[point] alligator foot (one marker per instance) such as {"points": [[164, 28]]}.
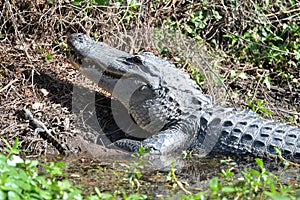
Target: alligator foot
{"points": [[126, 144]]}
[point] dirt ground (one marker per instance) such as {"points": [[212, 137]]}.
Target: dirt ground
{"points": [[36, 74]]}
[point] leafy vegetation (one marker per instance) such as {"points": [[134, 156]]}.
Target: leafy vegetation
{"points": [[136, 166], [254, 184], [21, 179], [258, 106], [270, 39], [258, 35], [30, 179]]}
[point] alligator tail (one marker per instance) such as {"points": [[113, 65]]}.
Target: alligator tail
{"points": [[243, 132]]}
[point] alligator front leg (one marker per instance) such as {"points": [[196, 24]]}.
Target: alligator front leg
{"points": [[176, 138]]}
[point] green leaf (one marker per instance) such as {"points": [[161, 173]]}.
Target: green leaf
{"points": [[2, 195], [137, 196], [13, 195], [97, 191], [214, 184], [49, 56], [23, 184], [297, 55], [272, 188], [64, 185], [133, 3], [16, 144], [55, 42], [228, 189], [251, 105], [259, 162], [77, 2], [31, 163], [276, 196], [6, 143], [276, 38], [266, 111], [189, 29], [138, 174], [105, 195], [101, 2], [254, 172], [216, 15], [60, 164]]}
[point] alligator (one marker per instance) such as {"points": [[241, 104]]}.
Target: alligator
{"points": [[165, 102]]}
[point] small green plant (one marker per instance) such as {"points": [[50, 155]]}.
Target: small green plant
{"points": [[187, 154], [135, 174], [21, 179], [135, 170], [134, 196], [197, 76], [99, 195], [10, 150], [62, 45], [141, 152], [132, 3], [227, 173], [171, 177], [49, 56], [254, 184], [40, 49], [286, 162], [258, 106]]}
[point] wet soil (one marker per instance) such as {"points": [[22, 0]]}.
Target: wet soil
{"points": [[111, 173]]}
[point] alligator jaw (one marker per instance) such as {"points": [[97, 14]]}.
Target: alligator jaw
{"points": [[105, 69]]}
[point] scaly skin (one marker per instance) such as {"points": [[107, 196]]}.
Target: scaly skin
{"points": [[168, 105]]}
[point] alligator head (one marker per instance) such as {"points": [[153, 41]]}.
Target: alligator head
{"points": [[152, 89]]}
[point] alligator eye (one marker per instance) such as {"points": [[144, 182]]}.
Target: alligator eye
{"points": [[135, 59], [144, 87]]}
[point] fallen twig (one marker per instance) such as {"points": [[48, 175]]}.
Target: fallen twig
{"points": [[8, 85], [41, 128], [283, 12]]}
